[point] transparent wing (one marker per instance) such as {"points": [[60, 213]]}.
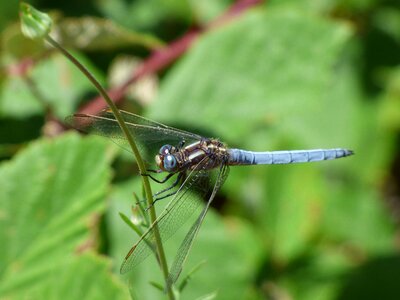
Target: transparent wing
{"points": [[187, 243], [185, 203], [148, 135]]}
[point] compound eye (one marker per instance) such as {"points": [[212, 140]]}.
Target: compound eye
{"points": [[165, 150], [170, 163]]}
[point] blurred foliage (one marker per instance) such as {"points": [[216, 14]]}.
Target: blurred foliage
{"points": [[282, 75]]}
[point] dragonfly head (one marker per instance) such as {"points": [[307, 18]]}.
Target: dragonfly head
{"points": [[165, 159]]}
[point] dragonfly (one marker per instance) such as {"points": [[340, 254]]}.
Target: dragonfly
{"points": [[199, 165]]}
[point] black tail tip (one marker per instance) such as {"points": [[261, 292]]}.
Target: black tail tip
{"points": [[348, 152]]}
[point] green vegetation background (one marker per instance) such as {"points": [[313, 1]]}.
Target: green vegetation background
{"points": [[281, 75]]}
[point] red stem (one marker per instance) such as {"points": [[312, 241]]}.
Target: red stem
{"points": [[157, 61]]}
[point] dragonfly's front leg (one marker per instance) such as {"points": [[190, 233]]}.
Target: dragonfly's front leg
{"points": [[155, 179]]}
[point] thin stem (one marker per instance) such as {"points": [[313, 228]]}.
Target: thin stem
{"points": [[132, 144]]}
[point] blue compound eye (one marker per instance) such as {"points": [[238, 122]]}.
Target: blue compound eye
{"points": [[165, 150], [170, 163]]}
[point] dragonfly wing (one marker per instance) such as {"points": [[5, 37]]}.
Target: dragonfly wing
{"points": [[148, 135], [185, 203], [187, 243]]}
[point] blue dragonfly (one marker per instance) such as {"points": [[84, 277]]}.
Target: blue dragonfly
{"points": [[200, 166]]}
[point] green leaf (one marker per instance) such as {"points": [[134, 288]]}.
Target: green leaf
{"points": [[359, 219], [292, 213], [34, 24], [305, 5], [207, 11], [86, 276], [279, 75], [48, 207]]}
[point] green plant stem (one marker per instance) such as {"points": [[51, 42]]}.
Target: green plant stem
{"points": [[141, 165]]}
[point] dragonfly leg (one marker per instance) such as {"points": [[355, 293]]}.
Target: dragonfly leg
{"points": [[161, 198], [157, 180], [157, 197], [164, 196], [174, 184]]}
